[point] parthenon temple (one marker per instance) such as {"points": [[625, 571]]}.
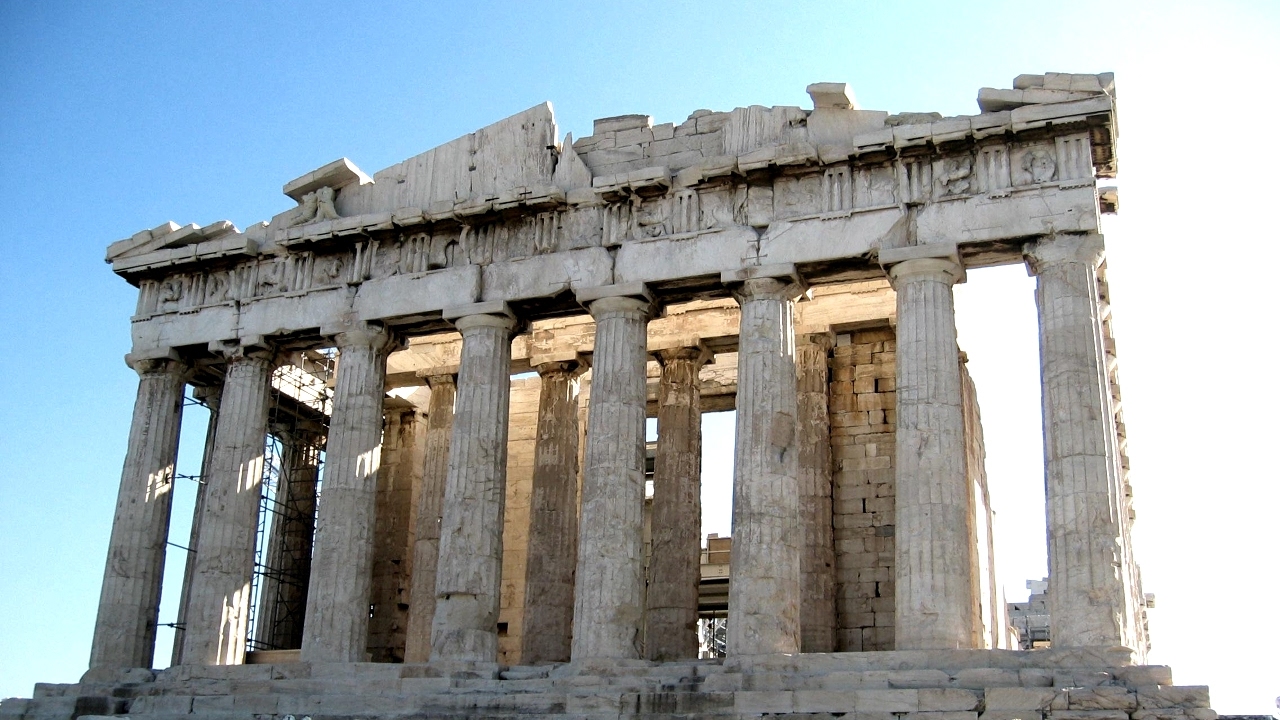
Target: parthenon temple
{"points": [[430, 488]]}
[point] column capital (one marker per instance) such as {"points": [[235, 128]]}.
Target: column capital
{"points": [[573, 368], [825, 339], [438, 379], [765, 282], [378, 337], [939, 262], [170, 364], [699, 353], [248, 348], [1057, 249], [623, 298]]}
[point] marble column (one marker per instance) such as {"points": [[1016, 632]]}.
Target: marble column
{"points": [[933, 579], [426, 537], [337, 619], [553, 519], [218, 609], [671, 615], [210, 396], [817, 557], [609, 592], [1087, 562], [124, 635], [469, 570], [764, 566]]}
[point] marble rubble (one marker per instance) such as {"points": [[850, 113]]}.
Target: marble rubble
{"points": [[466, 521]]}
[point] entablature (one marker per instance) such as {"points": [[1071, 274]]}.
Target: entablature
{"points": [[508, 214]]}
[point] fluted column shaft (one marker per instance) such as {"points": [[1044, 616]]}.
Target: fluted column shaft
{"points": [[764, 566], [218, 610], [211, 396], [609, 592], [124, 635], [817, 558], [426, 539], [671, 615], [553, 519], [469, 573], [337, 619], [934, 602], [1087, 573]]}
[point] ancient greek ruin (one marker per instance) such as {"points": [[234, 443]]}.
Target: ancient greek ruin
{"points": [[427, 489]]}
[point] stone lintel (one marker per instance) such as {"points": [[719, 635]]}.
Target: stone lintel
{"points": [[337, 174], [673, 342], [586, 296], [490, 307]]}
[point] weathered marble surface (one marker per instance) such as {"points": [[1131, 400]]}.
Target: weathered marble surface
{"points": [[125, 632], [553, 518], [934, 566], [337, 619], [1091, 598], [764, 569], [509, 213], [218, 606], [469, 570], [426, 536], [671, 602], [609, 595]]}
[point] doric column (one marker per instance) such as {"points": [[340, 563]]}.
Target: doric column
{"points": [[817, 555], [553, 519], [337, 619], [671, 615], [426, 538], [609, 588], [1087, 561], [210, 395], [934, 603], [764, 565], [125, 633], [218, 609], [469, 574]]}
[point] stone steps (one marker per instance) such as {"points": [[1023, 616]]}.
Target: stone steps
{"points": [[964, 685]]}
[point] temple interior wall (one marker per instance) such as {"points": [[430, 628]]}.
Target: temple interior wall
{"points": [[862, 449]]}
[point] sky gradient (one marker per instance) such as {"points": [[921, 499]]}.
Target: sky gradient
{"points": [[117, 117]]}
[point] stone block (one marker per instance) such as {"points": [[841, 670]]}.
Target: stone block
{"points": [[592, 702], [212, 704], [947, 700], [1087, 715], [1139, 675], [834, 701], [941, 715], [1080, 678], [1101, 698], [1018, 698], [1012, 715], [892, 700], [762, 701], [256, 704], [177, 704], [1036, 677], [985, 677], [1171, 696]]}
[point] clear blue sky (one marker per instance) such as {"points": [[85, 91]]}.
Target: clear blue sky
{"points": [[116, 117]]}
